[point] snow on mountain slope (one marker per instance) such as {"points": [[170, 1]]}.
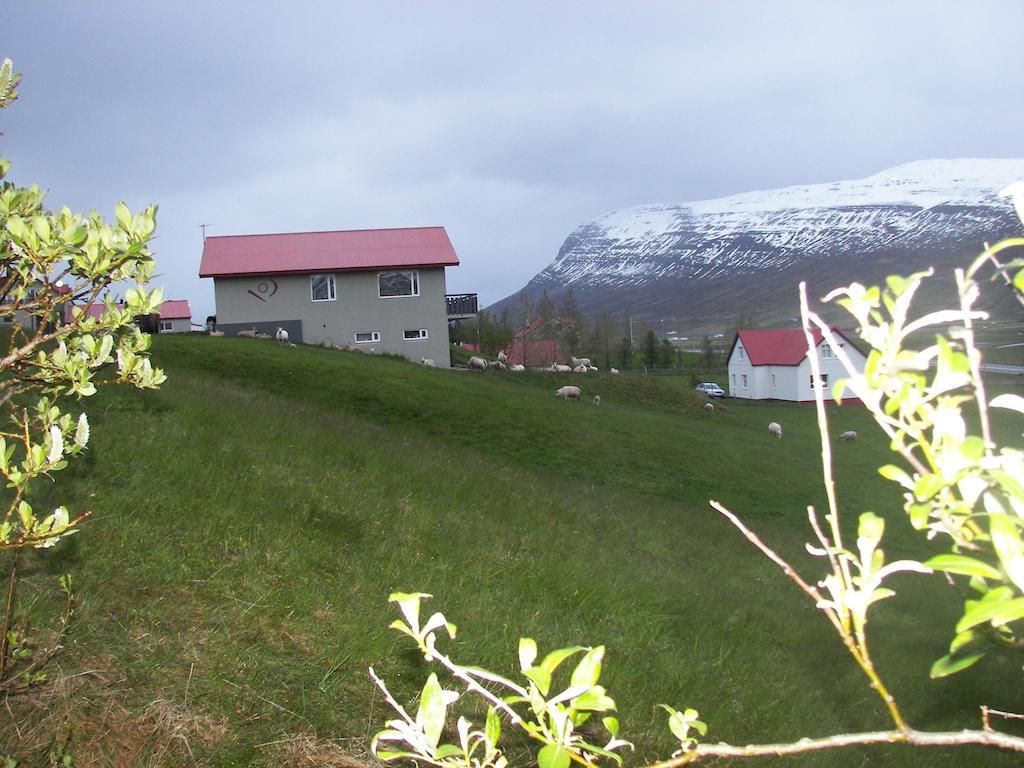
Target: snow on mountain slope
{"points": [[913, 209]]}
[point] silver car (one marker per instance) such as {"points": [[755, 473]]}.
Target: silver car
{"points": [[711, 390]]}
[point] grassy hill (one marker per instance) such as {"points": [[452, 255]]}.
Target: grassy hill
{"points": [[252, 517]]}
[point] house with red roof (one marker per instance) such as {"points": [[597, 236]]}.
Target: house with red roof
{"points": [[378, 289], [175, 316], [774, 365], [535, 352]]}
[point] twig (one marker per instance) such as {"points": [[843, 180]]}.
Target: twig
{"points": [[909, 736]]}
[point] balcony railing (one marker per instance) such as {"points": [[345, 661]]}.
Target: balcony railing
{"points": [[461, 305]]}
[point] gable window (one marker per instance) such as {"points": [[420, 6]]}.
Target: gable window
{"points": [[392, 284], [415, 335], [826, 352], [366, 337], [321, 287], [739, 350], [823, 380], [166, 325]]}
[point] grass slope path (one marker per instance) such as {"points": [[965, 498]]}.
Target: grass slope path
{"points": [[252, 516]]}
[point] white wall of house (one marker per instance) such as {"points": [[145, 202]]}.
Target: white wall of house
{"points": [[177, 325]]}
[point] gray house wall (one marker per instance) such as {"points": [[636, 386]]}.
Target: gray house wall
{"points": [[179, 325], [266, 302]]}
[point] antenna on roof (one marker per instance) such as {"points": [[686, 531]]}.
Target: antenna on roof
{"points": [[203, 227]]}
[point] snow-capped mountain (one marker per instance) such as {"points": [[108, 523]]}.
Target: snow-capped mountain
{"points": [[745, 254]]}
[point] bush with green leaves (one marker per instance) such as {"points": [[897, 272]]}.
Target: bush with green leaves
{"points": [[958, 486], [57, 267]]}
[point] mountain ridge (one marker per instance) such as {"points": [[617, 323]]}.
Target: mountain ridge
{"points": [[706, 262]]}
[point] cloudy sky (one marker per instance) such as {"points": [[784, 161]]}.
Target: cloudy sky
{"points": [[508, 123]]}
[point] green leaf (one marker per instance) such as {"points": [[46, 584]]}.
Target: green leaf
{"points": [[871, 527], [553, 756], [995, 611], [556, 657], [611, 724], [1006, 538], [541, 678], [492, 730], [967, 566], [527, 652], [588, 671], [447, 750], [948, 665], [432, 710], [123, 216], [896, 474]]}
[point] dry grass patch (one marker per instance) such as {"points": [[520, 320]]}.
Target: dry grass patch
{"points": [[305, 751], [91, 716]]}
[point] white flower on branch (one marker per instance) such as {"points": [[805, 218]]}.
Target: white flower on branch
{"points": [[56, 445], [82, 432]]}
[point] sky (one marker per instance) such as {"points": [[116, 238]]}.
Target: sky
{"points": [[510, 124]]}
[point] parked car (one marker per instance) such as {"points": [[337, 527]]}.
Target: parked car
{"points": [[711, 390]]}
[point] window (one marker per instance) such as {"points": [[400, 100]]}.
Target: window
{"points": [[826, 352], [415, 335], [739, 351], [391, 284], [773, 381], [824, 380], [744, 377], [166, 325], [8, 319], [734, 381], [365, 337], [321, 287]]}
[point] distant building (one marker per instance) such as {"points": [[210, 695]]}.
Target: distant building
{"points": [[527, 349], [379, 289], [773, 365], [175, 316]]}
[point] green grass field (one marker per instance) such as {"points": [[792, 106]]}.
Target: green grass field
{"points": [[251, 518]]}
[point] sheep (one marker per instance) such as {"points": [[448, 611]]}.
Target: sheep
{"points": [[497, 365], [773, 429], [580, 369], [597, 399], [579, 361], [249, 333], [568, 393], [557, 368], [709, 407], [517, 368], [264, 336], [613, 370], [216, 333], [281, 335], [293, 345], [428, 362], [502, 357], [848, 437], [593, 368], [349, 348], [477, 364]]}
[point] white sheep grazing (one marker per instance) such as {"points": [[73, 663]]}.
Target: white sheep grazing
{"points": [[477, 364], [774, 429], [216, 333], [593, 368], [561, 368], [281, 335], [568, 393], [579, 361], [709, 407], [613, 370], [597, 399], [517, 368], [848, 437], [264, 336], [249, 333], [497, 365], [502, 357], [580, 369], [428, 362]]}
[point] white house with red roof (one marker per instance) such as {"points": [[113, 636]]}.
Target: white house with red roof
{"points": [[379, 289], [773, 365]]}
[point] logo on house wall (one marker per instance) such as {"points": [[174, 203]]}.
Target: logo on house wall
{"points": [[264, 289]]}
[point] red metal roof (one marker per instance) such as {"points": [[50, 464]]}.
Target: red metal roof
{"points": [[779, 346], [305, 252], [541, 352], [175, 309]]}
